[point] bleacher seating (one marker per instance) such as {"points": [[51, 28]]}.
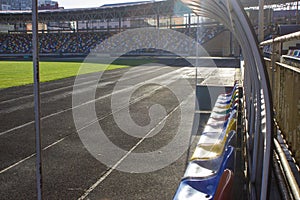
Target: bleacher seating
{"points": [[294, 53], [83, 42], [51, 42], [210, 171]]}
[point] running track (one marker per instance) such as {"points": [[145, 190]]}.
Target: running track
{"points": [[69, 170]]}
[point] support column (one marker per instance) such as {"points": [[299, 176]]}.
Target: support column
{"points": [[120, 24], [157, 21], [37, 100], [297, 13], [261, 21], [189, 24], [107, 25]]}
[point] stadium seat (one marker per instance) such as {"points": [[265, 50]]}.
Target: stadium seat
{"points": [[217, 125], [213, 154], [203, 188], [227, 99], [231, 92], [213, 148], [225, 185], [290, 52], [206, 168]]}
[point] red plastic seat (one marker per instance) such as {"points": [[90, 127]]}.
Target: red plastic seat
{"points": [[224, 188]]}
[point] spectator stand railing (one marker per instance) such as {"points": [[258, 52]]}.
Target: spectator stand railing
{"points": [[258, 109], [284, 73]]}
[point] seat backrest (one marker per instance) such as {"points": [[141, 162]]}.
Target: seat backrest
{"points": [[224, 188]]}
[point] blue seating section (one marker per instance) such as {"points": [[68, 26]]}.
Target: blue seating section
{"points": [[213, 154]]}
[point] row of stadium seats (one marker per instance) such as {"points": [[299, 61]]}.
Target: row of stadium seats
{"points": [[294, 53], [206, 33], [51, 42], [209, 174], [149, 39], [83, 42]]}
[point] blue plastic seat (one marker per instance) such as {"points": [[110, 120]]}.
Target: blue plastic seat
{"points": [[204, 188]]}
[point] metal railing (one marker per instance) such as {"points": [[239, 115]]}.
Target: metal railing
{"points": [[258, 101], [285, 85], [285, 88]]}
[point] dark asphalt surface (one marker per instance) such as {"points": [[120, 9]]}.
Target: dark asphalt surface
{"points": [[69, 170]]}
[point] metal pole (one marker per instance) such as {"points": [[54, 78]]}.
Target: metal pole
{"points": [[297, 14], [37, 103], [261, 21], [197, 50], [120, 24]]}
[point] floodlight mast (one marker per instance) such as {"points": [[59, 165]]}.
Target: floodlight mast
{"points": [[37, 99]]}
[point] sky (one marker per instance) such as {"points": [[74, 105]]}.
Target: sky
{"points": [[88, 3]]}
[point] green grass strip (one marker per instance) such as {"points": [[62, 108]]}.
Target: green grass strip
{"points": [[13, 73]]}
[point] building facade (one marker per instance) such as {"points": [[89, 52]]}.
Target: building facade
{"points": [[27, 4]]}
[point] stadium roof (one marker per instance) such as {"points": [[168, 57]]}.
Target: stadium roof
{"points": [[137, 9], [252, 3], [124, 4], [109, 11]]}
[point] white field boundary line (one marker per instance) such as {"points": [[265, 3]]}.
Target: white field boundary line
{"points": [[107, 173], [102, 118], [67, 87], [88, 102], [67, 93]]}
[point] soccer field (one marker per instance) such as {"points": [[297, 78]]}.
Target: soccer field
{"points": [[16, 73]]}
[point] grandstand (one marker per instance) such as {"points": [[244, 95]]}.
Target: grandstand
{"points": [[69, 32], [81, 43]]}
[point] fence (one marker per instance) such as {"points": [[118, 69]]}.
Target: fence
{"points": [[285, 83]]}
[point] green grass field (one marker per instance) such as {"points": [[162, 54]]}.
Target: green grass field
{"points": [[16, 73]]}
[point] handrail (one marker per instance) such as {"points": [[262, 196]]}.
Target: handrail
{"points": [[295, 69], [284, 38], [259, 105], [275, 68], [288, 172]]}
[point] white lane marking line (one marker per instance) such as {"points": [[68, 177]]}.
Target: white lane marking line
{"points": [[94, 100], [32, 155], [51, 99], [21, 161], [103, 177], [121, 108], [65, 94], [17, 163], [132, 102], [66, 87]]}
